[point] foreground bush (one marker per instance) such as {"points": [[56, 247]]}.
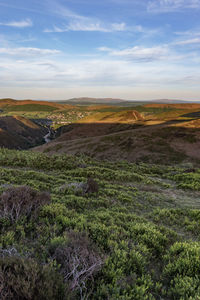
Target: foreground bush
{"points": [[80, 260], [24, 279], [21, 201], [182, 270]]}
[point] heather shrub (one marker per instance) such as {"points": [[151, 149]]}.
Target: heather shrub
{"points": [[21, 201], [80, 260], [25, 279], [92, 186]]}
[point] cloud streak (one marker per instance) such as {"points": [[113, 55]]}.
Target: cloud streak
{"points": [[28, 51], [77, 22], [89, 26], [18, 24], [165, 6], [139, 53], [189, 42]]}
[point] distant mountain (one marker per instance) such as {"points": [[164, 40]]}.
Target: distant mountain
{"points": [[88, 100], [58, 104]]}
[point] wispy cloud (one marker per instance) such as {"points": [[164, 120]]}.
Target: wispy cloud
{"points": [[101, 77], [189, 42], [189, 33], [56, 8], [95, 72], [139, 53], [18, 24], [89, 26], [77, 22], [28, 51], [164, 6], [99, 26]]}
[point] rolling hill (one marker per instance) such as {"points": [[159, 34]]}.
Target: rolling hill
{"points": [[166, 135], [88, 100], [33, 105]]}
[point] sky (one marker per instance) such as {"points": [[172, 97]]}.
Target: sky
{"points": [[129, 49]]}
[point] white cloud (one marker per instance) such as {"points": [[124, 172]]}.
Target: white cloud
{"points": [[189, 42], [162, 6], [62, 11], [18, 24], [118, 26], [104, 76], [139, 53], [88, 26], [77, 22], [193, 32], [28, 51]]}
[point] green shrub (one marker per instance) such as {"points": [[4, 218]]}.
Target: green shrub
{"points": [[182, 270], [25, 279]]}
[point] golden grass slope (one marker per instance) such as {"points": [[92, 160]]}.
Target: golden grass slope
{"points": [[129, 116]]}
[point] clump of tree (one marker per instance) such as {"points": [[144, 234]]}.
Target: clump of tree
{"points": [[20, 201]]}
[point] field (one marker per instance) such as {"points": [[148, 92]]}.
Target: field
{"points": [[107, 210]]}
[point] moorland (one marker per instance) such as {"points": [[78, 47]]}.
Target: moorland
{"points": [[108, 208]]}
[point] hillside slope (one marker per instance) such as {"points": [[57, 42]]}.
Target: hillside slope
{"points": [[125, 116], [20, 133], [135, 236], [168, 142], [31, 105]]}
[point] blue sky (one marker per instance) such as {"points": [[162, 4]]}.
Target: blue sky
{"points": [[131, 49]]}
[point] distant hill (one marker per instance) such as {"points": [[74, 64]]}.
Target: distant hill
{"points": [[30, 105], [20, 133], [120, 102], [170, 101], [89, 101], [186, 105]]}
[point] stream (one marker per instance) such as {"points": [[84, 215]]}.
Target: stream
{"points": [[47, 137], [46, 123]]}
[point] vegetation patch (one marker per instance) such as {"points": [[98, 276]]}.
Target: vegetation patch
{"points": [[73, 227]]}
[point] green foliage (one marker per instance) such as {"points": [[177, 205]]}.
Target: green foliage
{"points": [[25, 279], [182, 270], [141, 220]]}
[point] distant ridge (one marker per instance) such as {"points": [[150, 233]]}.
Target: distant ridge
{"points": [[118, 101], [171, 101], [88, 100]]}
